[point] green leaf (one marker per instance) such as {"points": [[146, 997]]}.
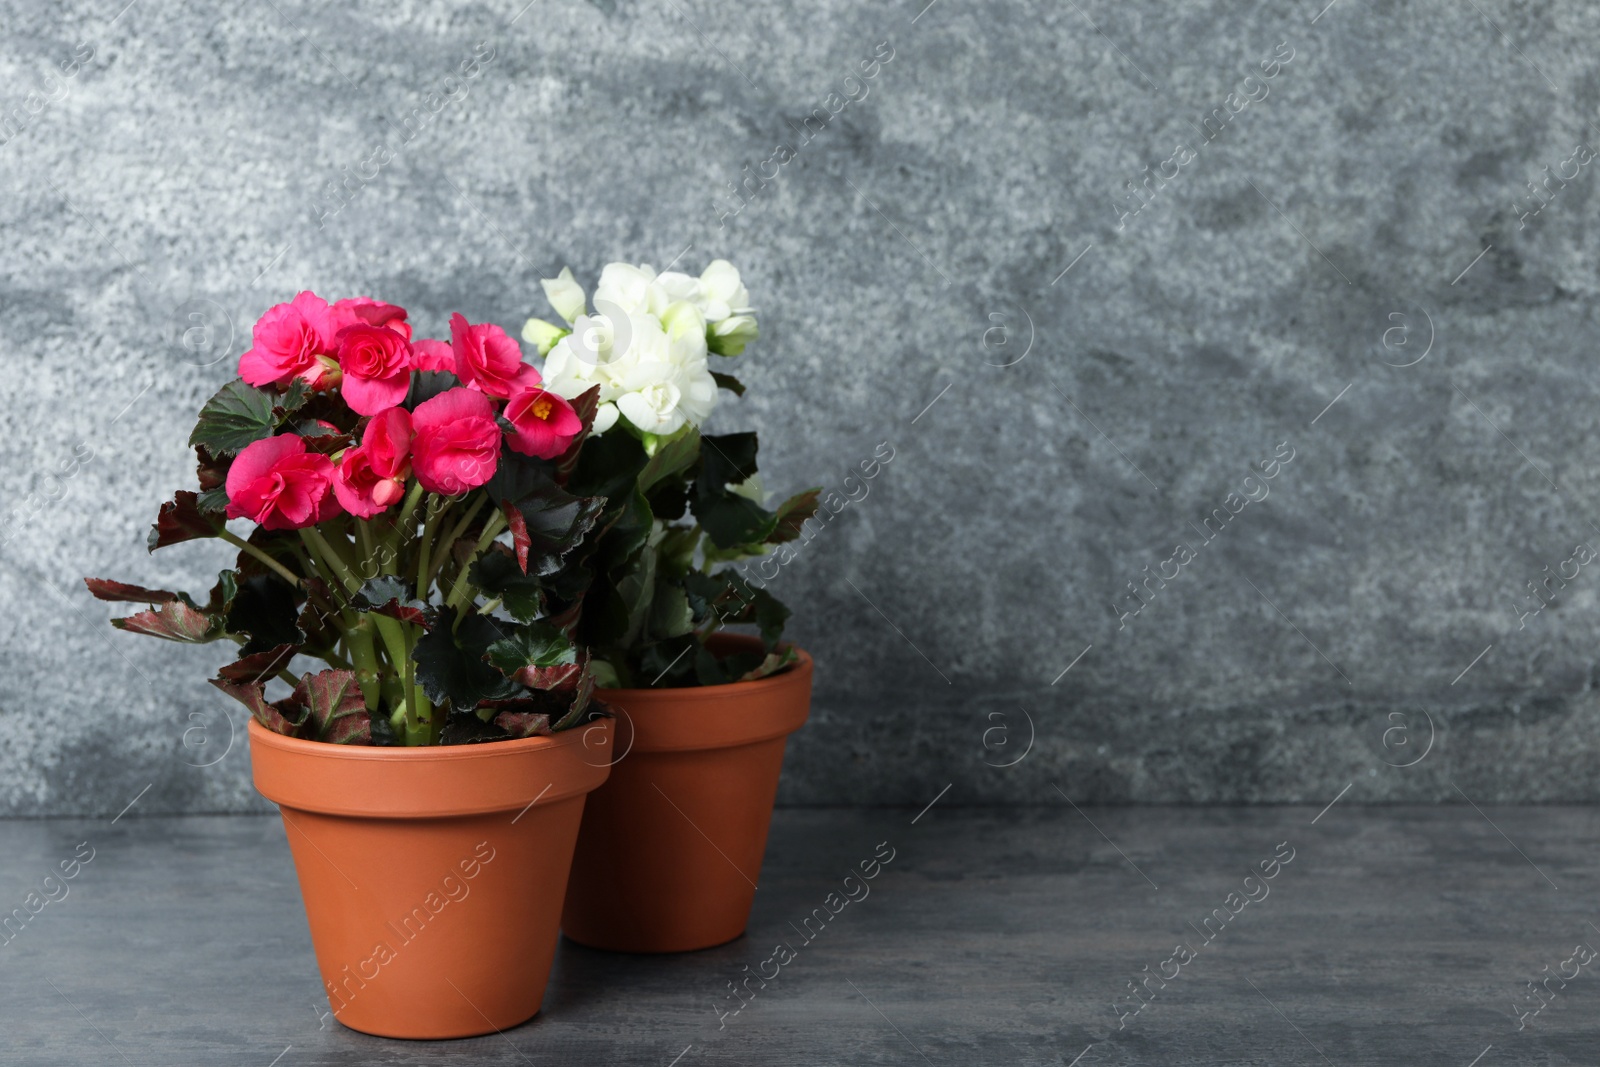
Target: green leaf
{"points": [[667, 664], [338, 713], [674, 455], [496, 574], [238, 415], [213, 502], [539, 656], [294, 398], [427, 384], [670, 614], [728, 382], [265, 608], [728, 518], [732, 600], [391, 596], [450, 663], [556, 524], [180, 519], [608, 466]]}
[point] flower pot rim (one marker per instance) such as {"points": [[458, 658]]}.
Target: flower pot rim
{"points": [[698, 718], [363, 781], [735, 689], [415, 752]]}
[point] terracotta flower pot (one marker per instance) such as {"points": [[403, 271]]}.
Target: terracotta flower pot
{"points": [[670, 851], [431, 876]]}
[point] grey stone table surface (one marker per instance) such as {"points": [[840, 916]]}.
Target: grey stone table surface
{"points": [[1393, 935]]}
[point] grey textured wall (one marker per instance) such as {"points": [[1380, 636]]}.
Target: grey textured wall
{"points": [[1365, 206]]}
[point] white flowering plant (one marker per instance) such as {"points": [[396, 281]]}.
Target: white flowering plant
{"points": [[681, 505]]}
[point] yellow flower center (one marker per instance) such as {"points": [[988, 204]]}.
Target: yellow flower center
{"points": [[541, 408]]}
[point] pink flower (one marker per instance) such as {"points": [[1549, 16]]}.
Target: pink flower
{"points": [[372, 477], [279, 485], [388, 439], [377, 368], [457, 446], [487, 360], [546, 423], [433, 355], [293, 340], [370, 312]]}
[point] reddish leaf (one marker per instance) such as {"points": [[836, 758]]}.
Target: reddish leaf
{"points": [[325, 441], [274, 717], [792, 514], [584, 405], [213, 472], [180, 520], [338, 711], [259, 667], [562, 677], [174, 621], [519, 533], [523, 723], [391, 596], [106, 589]]}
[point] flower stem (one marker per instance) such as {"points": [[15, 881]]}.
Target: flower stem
{"points": [[441, 557], [246, 547], [460, 593], [429, 528], [320, 547]]}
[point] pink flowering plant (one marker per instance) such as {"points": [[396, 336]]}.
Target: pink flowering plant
{"points": [[410, 526]]}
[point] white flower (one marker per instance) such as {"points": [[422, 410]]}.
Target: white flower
{"points": [[564, 295], [721, 292], [650, 366], [632, 289], [542, 335], [751, 488], [733, 333]]}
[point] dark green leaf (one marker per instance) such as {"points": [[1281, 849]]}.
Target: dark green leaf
{"points": [[728, 518], [293, 399], [265, 608], [556, 522], [213, 502], [427, 384], [608, 466], [673, 456], [450, 663], [390, 595], [538, 655], [470, 730], [728, 382], [496, 573], [236, 416], [670, 615]]}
